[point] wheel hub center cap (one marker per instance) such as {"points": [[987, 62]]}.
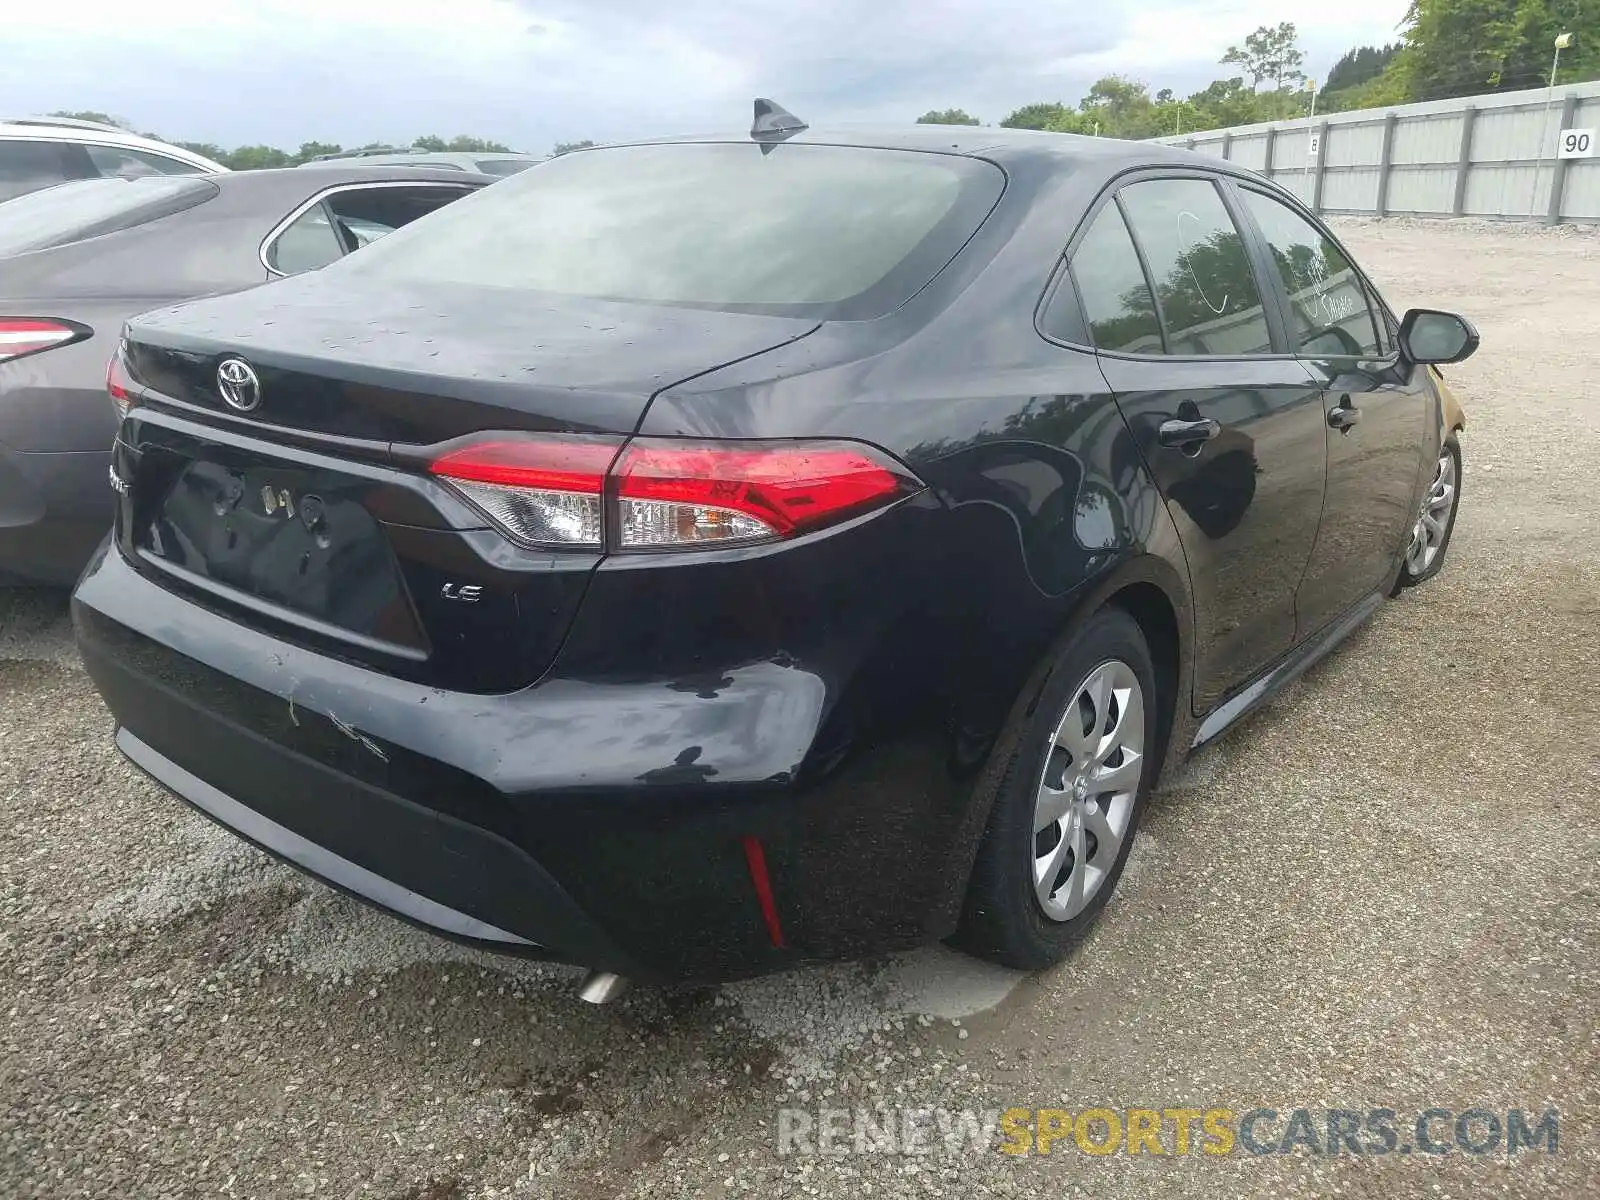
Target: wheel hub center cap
{"points": [[1080, 790]]}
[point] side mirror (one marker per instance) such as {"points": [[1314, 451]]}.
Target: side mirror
{"points": [[1429, 336]]}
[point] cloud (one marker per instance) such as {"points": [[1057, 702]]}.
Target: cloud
{"points": [[533, 72]]}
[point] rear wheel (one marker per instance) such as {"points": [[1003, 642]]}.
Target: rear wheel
{"points": [[1430, 533], [1068, 805]]}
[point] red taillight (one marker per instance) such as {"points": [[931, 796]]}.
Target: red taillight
{"points": [[541, 491], [678, 492], [29, 335], [119, 383], [666, 494]]}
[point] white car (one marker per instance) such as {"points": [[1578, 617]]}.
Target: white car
{"points": [[38, 152]]}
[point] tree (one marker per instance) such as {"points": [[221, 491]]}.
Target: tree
{"points": [[1358, 66], [947, 116], [1223, 103], [255, 158], [1462, 47], [1122, 108], [1270, 54], [569, 147], [209, 149], [98, 118], [310, 150], [1036, 116]]}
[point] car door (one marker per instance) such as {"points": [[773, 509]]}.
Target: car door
{"points": [[1229, 423], [1376, 414]]}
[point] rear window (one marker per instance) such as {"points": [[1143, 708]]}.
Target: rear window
{"points": [[504, 166], [71, 212], [833, 232]]}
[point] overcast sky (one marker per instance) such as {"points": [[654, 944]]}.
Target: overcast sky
{"points": [[534, 72]]}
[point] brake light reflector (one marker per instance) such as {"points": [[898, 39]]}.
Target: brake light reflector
{"points": [[29, 335], [540, 491], [119, 383], [663, 493]]}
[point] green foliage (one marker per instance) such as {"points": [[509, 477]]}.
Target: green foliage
{"points": [[1036, 116], [1359, 66], [569, 147], [1122, 108], [310, 150], [947, 116], [460, 144], [1270, 54], [1464, 47], [255, 158], [89, 115], [1451, 48]]}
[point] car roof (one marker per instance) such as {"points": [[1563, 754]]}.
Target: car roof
{"points": [[465, 158], [90, 133], [972, 141], [333, 174]]}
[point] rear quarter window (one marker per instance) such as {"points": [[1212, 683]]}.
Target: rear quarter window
{"points": [[71, 212], [27, 165]]}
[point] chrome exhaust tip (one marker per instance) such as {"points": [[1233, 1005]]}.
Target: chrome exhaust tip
{"points": [[601, 987]]}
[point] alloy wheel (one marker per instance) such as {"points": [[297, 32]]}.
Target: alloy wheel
{"points": [[1087, 789], [1433, 523]]}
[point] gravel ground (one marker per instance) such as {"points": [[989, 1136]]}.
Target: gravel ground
{"points": [[1381, 892]]}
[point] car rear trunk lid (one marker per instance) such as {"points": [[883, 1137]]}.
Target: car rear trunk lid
{"points": [[307, 515]]}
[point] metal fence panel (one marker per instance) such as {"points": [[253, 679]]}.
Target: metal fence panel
{"points": [[1351, 191], [1429, 191], [1355, 145], [1492, 156], [1249, 151]]}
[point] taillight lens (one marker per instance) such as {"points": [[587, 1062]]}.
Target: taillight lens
{"points": [[29, 335], [669, 494], [687, 493], [119, 382]]}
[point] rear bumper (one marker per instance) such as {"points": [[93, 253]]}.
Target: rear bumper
{"points": [[55, 508], [598, 824]]}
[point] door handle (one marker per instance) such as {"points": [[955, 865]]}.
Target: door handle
{"points": [[1343, 417], [1185, 435]]}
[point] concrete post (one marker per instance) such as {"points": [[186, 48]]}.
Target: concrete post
{"points": [[1469, 118], [1227, 144], [1386, 162], [1322, 161], [1272, 140], [1558, 177]]}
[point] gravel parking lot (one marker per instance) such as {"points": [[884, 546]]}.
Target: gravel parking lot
{"points": [[1381, 893]]}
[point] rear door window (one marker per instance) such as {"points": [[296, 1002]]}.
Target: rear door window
{"points": [[27, 165], [1200, 267], [1330, 313]]}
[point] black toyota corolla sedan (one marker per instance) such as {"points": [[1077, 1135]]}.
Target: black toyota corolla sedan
{"points": [[694, 558]]}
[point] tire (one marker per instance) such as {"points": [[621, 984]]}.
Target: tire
{"points": [[1008, 918], [1421, 564]]}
